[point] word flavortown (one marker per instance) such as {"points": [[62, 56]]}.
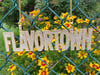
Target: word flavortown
{"points": [[43, 40]]}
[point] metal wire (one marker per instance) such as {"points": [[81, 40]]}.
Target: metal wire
{"points": [[33, 25]]}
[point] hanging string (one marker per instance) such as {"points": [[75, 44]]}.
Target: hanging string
{"points": [[20, 25], [71, 21]]}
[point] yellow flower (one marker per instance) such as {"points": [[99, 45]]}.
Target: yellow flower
{"points": [[92, 41], [88, 69], [43, 72], [40, 15], [30, 54], [46, 18], [33, 57], [95, 66], [55, 28], [67, 24], [45, 28], [93, 36], [42, 29], [81, 41], [80, 47], [34, 49], [41, 22], [91, 64], [82, 54], [98, 41], [73, 17], [79, 21], [63, 15], [60, 48], [16, 42], [87, 20], [55, 17], [96, 52], [92, 73], [75, 45], [98, 68], [48, 25], [68, 17], [47, 22], [34, 12], [31, 13], [38, 11], [63, 27], [98, 28], [75, 29], [53, 40], [21, 21], [91, 49], [94, 30], [12, 68], [57, 22], [42, 64], [12, 74], [93, 21], [70, 68], [8, 53], [21, 53]]}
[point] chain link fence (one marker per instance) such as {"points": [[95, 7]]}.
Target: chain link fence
{"points": [[33, 25]]}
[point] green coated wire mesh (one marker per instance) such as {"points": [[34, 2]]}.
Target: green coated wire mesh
{"points": [[62, 53]]}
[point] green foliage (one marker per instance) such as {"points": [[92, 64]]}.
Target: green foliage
{"points": [[6, 5], [53, 56], [29, 6], [88, 6], [25, 4]]}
